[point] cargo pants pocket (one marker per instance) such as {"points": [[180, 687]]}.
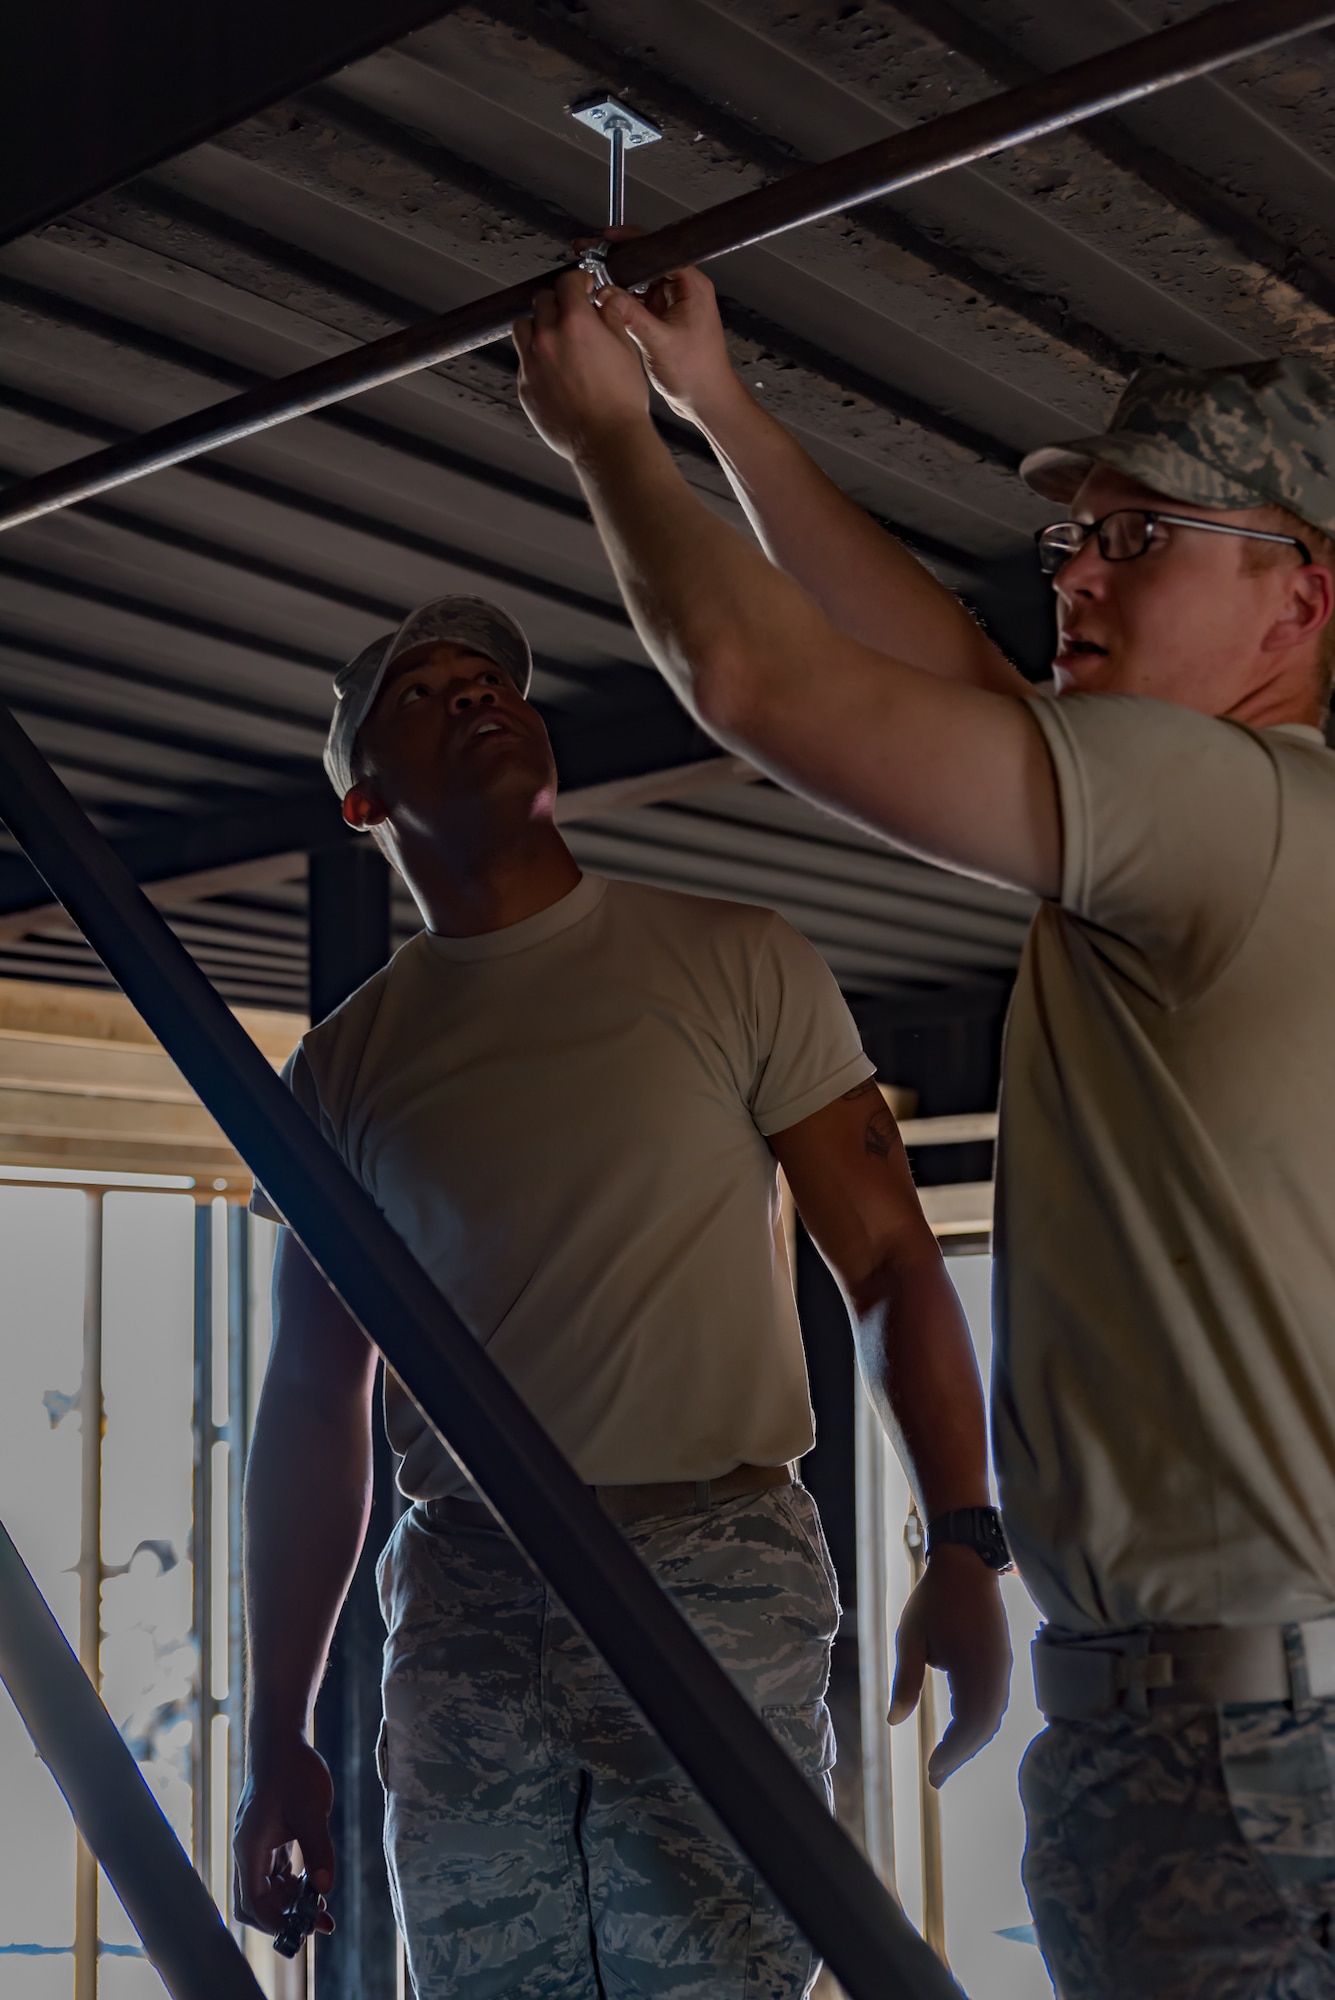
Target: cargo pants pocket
{"points": [[1276, 1760]]}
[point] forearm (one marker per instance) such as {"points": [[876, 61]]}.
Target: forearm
{"points": [[850, 1178], [866, 582], [697, 592], [958, 774], [917, 1360], [746, 647], [308, 1496]]}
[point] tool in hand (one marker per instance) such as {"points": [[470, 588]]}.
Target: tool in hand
{"points": [[300, 1919]]}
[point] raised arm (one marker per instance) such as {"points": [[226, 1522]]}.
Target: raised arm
{"points": [[308, 1497], [850, 1180], [866, 582], [954, 772]]}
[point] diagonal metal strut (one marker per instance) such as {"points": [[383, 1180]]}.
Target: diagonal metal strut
{"points": [[759, 1794], [186, 1940], [1101, 84]]}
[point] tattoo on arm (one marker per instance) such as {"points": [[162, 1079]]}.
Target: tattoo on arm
{"points": [[881, 1131]]}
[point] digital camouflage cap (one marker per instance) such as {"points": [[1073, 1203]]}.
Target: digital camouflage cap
{"points": [[1261, 435], [467, 621]]}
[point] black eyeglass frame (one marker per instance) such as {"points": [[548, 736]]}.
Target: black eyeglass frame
{"points": [[1151, 516]]}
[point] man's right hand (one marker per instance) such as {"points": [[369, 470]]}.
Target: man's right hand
{"points": [[677, 328], [287, 1798]]}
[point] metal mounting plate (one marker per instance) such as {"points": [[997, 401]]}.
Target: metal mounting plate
{"points": [[602, 114]]}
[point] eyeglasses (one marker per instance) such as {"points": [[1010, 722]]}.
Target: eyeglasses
{"points": [[1132, 532]]}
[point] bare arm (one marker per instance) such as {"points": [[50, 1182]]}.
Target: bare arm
{"points": [[954, 772], [308, 1496], [850, 1180], [866, 582]]}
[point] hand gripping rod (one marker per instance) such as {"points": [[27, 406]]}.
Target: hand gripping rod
{"points": [[1221, 35]]}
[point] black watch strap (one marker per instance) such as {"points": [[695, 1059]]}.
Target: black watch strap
{"points": [[977, 1528]]}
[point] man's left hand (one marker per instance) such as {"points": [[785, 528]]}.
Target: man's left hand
{"points": [[955, 1620], [579, 374]]}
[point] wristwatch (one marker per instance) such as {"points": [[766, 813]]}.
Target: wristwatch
{"points": [[978, 1528]]}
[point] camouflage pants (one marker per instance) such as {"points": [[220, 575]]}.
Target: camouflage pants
{"points": [[1189, 1855], [541, 1841]]}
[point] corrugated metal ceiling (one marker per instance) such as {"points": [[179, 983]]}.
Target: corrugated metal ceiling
{"points": [[170, 647]]}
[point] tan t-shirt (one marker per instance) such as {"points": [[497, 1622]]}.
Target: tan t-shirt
{"points": [[566, 1123], [1164, 1405]]}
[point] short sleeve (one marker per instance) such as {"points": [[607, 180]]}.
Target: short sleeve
{"points": [[296, 1074], [809, 1050], [1170, 827]]}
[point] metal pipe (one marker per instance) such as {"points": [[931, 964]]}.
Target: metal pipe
{"points": [[871, 1450], [350, 936], [90, 1572], [201, 1549], [238, 1444], [1104, 83], [194, 1953], [757, 1792], [929, 1799]]}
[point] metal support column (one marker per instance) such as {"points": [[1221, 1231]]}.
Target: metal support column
{"points": [[929, 1799], [348, 912], [875, 1646], [90, 1572], [201, 1551], [349, 939], [238, 1444]]}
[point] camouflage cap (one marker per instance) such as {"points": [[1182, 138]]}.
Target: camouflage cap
{"points": [[1260, 435], [466, 621]]}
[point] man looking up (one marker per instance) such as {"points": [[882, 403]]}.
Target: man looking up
{"points": [[569, 1096], [1164, 1395]]}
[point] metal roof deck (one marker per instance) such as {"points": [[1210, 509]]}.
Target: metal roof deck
{"points": [[170, 647]]}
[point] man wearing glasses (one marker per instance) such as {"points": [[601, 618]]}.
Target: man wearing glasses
{"points": [[1164, 1398]]}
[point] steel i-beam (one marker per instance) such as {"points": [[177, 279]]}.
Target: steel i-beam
{"points": [[1101, 84]]}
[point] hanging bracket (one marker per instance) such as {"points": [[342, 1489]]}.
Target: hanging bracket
{"points": [[622, 128]]}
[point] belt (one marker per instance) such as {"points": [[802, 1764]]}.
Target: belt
{"points": [[1079, 1679], [649, 1501]]}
